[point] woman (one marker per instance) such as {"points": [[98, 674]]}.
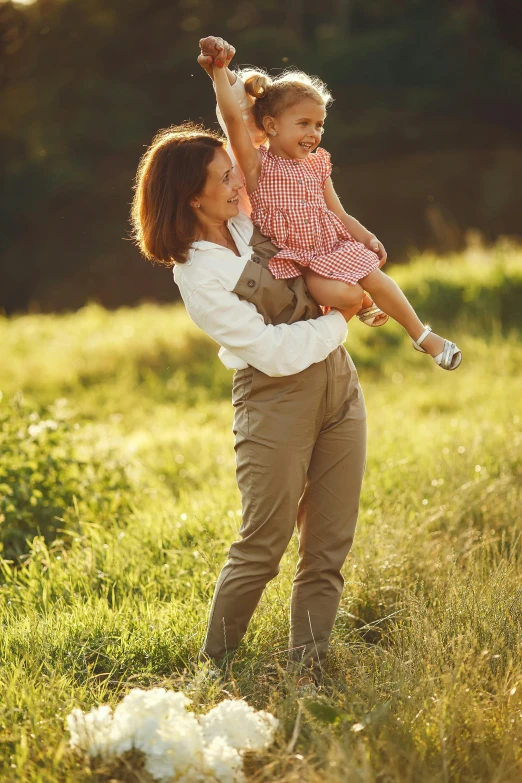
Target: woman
{"points": [[299, 418]]}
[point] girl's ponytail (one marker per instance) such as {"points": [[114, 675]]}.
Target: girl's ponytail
{"points": [[258, 84]]}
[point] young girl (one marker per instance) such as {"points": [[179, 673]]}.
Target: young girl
{"points": [[294, 203]]}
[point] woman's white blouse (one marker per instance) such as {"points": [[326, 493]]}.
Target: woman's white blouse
{"points": [[206, 282]]}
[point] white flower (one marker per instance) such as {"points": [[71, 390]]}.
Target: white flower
{"points": [[163, 768], [157, 723], [240, 725], [178, 746], [223, 762], [36, 429], [137, 718], [178, 742], [90, 731]]}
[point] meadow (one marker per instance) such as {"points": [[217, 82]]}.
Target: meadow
{"points": [[118, 503]]}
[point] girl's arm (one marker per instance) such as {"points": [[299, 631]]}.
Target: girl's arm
{"points": [[245, 153], [356, 229]]}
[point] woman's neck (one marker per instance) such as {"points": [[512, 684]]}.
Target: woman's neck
{"points": [[218, 233]]}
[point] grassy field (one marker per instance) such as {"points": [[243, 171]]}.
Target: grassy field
{"points": [[118, 503]]}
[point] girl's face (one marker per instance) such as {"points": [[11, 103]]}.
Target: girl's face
{"points": [[218, 201], [298, 129]]}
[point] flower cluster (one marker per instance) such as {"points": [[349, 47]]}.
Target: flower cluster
{"points": [[34, 430], [177, 745]]}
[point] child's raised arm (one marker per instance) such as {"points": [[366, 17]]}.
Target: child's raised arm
{"points": [[246, 154]]}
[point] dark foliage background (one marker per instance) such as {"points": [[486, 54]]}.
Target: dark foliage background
{"points": [[425, 131]]}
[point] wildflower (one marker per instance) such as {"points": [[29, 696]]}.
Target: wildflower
{"points": [[177, 745], [141, 713], [36, 429], [240, 725], [223, 762], [90, 731]]}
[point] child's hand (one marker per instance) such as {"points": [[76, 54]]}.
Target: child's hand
{"points": [[378, 248], [215, 51]]}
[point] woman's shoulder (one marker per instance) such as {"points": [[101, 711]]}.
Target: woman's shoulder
{"points": [[208, 265]]}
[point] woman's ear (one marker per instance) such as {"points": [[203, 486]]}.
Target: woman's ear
{"points": [[194, 203]]}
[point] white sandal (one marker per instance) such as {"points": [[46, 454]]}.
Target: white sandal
{"points": [[449, 358], [368, 315]]}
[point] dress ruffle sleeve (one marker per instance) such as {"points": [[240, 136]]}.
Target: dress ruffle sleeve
{"points": [[322, 164]]}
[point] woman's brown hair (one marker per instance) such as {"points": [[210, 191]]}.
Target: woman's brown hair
{"points": [[171, 172]]}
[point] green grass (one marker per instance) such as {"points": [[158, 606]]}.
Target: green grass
{"points": [[112, 551]]}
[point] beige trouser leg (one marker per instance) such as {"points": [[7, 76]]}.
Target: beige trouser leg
{"points": [[326, 521], [303, 433]]}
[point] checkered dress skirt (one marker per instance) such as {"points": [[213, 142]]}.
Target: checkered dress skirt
{"points": [[288, 206]]}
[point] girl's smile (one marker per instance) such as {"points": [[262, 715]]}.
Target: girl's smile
{"points": [[298, 130]]}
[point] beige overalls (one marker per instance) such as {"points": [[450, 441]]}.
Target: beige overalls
{"points": [[300, 444]]}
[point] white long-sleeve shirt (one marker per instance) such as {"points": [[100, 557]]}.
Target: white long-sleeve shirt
{"points": [[206, 283]]}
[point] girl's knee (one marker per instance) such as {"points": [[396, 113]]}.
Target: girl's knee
{"points": [[334, 293], [343, 295], [351, 295]]}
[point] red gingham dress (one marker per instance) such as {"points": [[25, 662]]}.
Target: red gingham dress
{"points": [[288, 206]]}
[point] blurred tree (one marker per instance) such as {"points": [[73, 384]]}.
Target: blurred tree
{"points": [[424, 131], [343, 16], [295, 17]]}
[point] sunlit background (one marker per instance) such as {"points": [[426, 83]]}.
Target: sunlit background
{"points": [[425, 131], [118, 496]]}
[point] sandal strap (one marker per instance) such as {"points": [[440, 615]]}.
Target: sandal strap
{"points": [[371, 310], [423, 336], [446, 357], [368, 313], [448, 352]]}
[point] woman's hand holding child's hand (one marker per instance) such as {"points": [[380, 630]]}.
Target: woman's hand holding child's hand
{"points": [[215, 51]]}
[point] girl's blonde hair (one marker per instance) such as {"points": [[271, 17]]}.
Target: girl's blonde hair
{"points": [[273, 96]]}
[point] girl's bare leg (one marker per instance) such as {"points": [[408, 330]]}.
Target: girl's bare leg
{"points": [[335, 293], [389, 297]]}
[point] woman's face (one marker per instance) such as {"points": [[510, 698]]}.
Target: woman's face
{"points": [[218, 201]]}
